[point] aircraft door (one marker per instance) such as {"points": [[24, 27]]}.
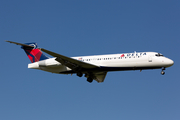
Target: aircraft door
{"points": [[150, 58]]}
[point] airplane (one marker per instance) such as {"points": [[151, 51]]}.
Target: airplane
{"points": [[93, 67]]}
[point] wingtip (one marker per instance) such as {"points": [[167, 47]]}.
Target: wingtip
{"points": [[11, 42], [20, 44], [7, 41]]}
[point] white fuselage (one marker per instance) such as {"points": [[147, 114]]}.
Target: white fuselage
{"points": [[93, 67], [111, 62]]}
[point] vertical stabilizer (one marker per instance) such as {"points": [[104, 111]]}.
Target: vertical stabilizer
{"points": [[33, 52]]}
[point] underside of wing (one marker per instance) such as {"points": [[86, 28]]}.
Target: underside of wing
{"points": [[100, 76]]}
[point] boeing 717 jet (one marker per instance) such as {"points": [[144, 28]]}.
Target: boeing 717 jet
{"points": [[93, 67]]}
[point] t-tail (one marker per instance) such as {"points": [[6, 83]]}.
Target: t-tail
{"points": [[34, 54], [32, 51]]}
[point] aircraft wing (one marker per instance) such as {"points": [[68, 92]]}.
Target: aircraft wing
{"points": [[100, 76], [77, 65], [70, 62], [20, 44]]}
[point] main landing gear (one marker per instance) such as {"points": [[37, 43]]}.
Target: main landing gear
{"points": [[89, 79], [80, 74], [162, 72]]}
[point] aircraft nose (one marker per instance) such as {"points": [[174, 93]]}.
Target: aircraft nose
{"points": [[169, 62]]}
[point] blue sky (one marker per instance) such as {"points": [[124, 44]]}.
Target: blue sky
{"points": [[75, 28]]}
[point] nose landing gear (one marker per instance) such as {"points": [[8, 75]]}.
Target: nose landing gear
{"points": [[162, 72]]}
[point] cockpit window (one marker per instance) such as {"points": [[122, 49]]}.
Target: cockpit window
{"points": [[159, 54]]}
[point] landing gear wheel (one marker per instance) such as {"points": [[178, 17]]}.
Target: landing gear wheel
{"points": [[162, 72], [79, 74], [89, 79]]}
